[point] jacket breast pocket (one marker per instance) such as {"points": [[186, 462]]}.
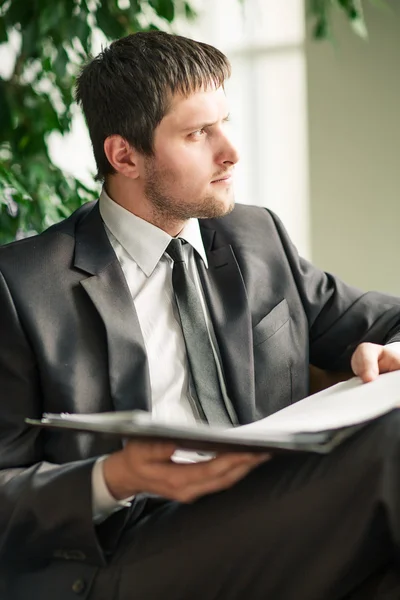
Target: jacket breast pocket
{"points": [[272, 344]]}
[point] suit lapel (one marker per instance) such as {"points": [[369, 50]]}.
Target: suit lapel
{"points": [[107, 288], [227, 302]]}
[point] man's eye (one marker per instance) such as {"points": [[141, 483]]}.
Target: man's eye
{"points": [[198, 133]]}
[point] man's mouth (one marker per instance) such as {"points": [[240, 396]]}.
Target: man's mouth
{"points": [[226, 178]]}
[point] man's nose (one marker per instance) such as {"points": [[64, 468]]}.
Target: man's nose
{"points": [[229, 152]]}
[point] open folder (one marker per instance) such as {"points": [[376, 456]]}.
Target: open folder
{"points": [[316, 424]]}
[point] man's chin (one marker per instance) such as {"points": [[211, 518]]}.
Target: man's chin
{"points": [[215, 208], [228, 207]]}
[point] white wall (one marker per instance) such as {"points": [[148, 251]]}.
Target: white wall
{"points": [[354, 143]]}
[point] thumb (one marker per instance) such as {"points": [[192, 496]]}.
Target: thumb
{"points": [[365, 361]]}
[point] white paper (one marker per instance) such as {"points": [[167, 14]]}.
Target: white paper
{"points": [[341, 405], [190, 456]]}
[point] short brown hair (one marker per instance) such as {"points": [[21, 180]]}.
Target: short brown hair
{"points": [[126, 89]]}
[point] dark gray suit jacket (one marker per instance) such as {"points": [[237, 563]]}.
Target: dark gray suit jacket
{"points": [[70, 341]]}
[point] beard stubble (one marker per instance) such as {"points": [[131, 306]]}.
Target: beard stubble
{"points": [[171, 206]]}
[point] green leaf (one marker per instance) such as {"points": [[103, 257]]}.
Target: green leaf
{"points": [[46, 65], [80, 28], [60, 63], [164, 9], [8, 225], [351, 7], [20, 12], [52, 16], [152, 27], [8, 178], [357, 19], [3, 31], [321, 29], [107, 22], [359, 27], [347, 5], [5, 112], [190, 13], [319, 13], [30, 40]]}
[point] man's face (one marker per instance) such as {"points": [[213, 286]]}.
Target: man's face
{"points": [[191, 172]]}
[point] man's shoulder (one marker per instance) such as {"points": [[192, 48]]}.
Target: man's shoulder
{"points": [[36, 252], [52, 239]]}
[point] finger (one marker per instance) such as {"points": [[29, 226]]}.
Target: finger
{"points": [[389, 360], [144, 451], [178, 477], [225, 462], [364, 361], [218, 484], [221, 464]]}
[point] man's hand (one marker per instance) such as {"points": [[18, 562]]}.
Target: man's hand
{"points": [[147, 467], [369, 360]]}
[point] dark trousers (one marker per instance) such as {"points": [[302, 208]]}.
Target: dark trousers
{"points": [[301, 527]]}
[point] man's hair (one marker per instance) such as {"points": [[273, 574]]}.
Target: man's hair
{"points": [[127, 89]]}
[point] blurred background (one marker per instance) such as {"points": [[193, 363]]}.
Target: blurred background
{"points": [[314, 96]]}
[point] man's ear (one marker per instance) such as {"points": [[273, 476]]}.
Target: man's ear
{"points": [[121, 156]]}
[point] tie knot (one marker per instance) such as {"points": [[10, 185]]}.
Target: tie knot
{"points": [[175, 250]]}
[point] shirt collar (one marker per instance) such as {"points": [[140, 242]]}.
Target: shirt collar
{"points": [[145, 242]]}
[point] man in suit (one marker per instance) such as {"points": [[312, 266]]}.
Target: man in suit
{"points": [[165, 297]]}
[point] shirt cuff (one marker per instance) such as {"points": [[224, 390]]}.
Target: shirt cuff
{"points": [[394, 346], [103, 503]]}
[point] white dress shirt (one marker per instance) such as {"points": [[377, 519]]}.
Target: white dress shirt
{"points": [[140, 248]]}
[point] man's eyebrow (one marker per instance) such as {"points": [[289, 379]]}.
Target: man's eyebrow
{"points": [[204, 125]]}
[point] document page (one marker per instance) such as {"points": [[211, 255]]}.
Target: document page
{"points": [[345, 404], [342, 405], [316, 424]]}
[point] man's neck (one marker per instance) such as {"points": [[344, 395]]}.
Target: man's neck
{"points": [[139, 205]]}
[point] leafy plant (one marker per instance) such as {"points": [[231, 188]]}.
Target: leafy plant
{"points": [[55, 37], [320, 15]]}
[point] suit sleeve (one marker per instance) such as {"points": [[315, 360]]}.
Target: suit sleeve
{"points": [[340, 317], [45, 509]]}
